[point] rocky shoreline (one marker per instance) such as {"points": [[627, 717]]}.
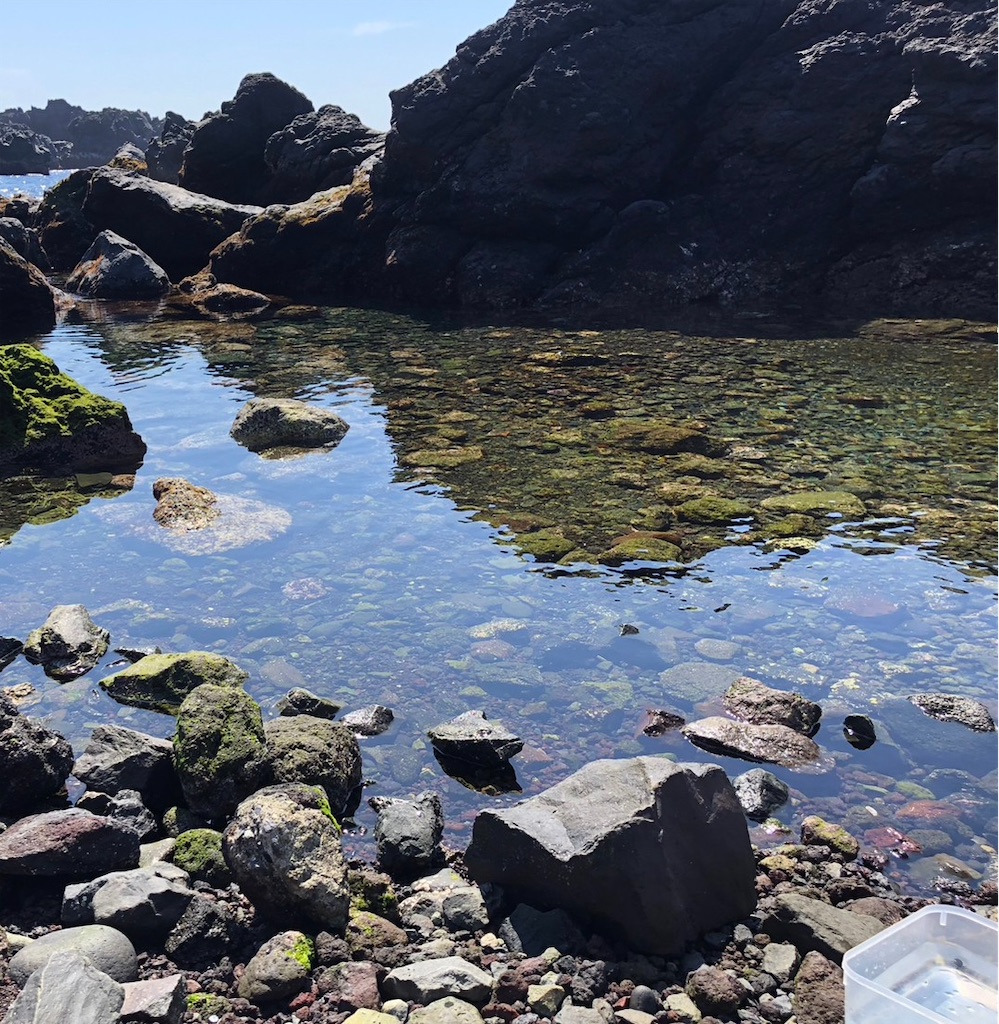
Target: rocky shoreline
{"points": [[204, 878]]}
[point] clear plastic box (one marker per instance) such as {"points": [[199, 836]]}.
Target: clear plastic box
{"points": [[938, 966]]}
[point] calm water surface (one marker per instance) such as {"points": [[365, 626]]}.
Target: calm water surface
{"points": [[408, 575]]}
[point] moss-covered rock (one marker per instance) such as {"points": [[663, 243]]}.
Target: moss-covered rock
{"points": [[219, 749], [318, 753], [160, 682], [713, 509], [660, 437], [48, 420], [544, 545], [199, 853], [640, 548], [816, 831], [816, 503], [443, 458]]}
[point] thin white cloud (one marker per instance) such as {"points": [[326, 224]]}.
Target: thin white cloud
{"points": [[377, 28]]}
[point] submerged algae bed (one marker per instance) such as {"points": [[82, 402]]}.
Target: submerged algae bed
{"points": [[565, 527]]}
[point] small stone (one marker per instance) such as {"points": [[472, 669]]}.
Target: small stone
{"points": [[780, 961], [816, 831], [947, 707], [279, 968], [304, 702], [155, 1001], [545, 1000]]}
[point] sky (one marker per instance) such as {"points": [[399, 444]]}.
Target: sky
{"points": [[189, 55]]}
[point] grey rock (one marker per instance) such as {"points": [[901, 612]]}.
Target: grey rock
{"points": [[760, 793], [155, 1000], [464, 909], [471, 737], [572, 1014], [71, 842], [70, 990], [304, 702], [408, 834], [144, 903], [202, 934], [107, 949], [448, 1010], [750, 700], [811, 925], [115, 268], [429, 980], [266, 423], [117, 758], [697, 680], [369, 721], [160, 682], [278, 969], [780, 961], [219, 749], [655, 852], [34, 760], [301, 748], [69, 644], [948, 707], [531, 931], [125, 806], [645, 999], [284, 849], [776, 744]]}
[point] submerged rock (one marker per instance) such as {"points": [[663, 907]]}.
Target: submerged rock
{"points": [[948, 707], [654, 852], [48, 420], [776, 744], [472, 738], [69, 644], [760, 793], [181, 505]]}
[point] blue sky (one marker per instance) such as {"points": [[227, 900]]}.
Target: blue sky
{"points": [[189, 55]]}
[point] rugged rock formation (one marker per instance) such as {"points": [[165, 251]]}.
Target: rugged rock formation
{"points": [[85, 138], [225, 157], [165, 155], [626, 154], [115, 268]]}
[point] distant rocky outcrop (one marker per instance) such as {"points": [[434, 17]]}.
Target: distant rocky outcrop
{"points": [[625, 155], [165, 155], [61, 134]]}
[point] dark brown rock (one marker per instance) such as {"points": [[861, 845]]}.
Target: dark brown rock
{"points": [[72, 842], [818, 991]]}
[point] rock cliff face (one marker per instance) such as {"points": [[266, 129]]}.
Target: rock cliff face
{"points": [[631, 154]]}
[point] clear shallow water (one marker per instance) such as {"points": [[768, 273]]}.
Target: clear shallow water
{"points": [[405, 585]]}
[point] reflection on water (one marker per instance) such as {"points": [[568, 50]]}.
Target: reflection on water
{"points": [[451, 553]]}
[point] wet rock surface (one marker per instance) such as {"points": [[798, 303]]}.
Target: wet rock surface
{"points": [[774, 744], [268, 423], [69, 644]]}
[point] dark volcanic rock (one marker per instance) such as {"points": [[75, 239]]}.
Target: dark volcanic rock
{"points": [[27, 303], [751, 701], [34, 761], [64, 231], [119, 759], [472, 738], [115, 268], [225, 157], [176, 227], [408, 834], [623, 153], [317, 151], [165, 155], [654, 852], [23, 151]]}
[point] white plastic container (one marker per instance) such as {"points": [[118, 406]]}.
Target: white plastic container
{"points": [[938, 966]]}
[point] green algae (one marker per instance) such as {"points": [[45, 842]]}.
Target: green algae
{"points": [[303, 952], [160, 682]]}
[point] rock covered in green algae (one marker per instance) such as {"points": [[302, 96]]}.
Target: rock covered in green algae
{"points": [[816, 503], [48, 420], [199, 852], [160, 682], [219, 749]]}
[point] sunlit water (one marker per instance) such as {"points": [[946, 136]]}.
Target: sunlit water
{"points": [[30, 184], [411, 587]]}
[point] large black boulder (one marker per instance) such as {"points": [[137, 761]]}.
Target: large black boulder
{"points": [[27, 303], [225, 157]]}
